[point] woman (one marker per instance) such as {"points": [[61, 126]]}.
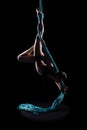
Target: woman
{"points": [[39, 57]]}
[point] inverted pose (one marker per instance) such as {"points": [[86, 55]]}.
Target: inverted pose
{"points": [[38, 56]]}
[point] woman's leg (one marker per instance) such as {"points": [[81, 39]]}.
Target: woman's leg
{"points": [[27, 56], [59, 76], [39, 56]]}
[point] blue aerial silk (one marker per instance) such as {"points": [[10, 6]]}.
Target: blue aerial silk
{"points": [[37, 109]]}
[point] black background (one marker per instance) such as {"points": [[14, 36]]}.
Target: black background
{"points": [[64, 37]]}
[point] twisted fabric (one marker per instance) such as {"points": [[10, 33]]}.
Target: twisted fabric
{"points": [[40, 30]]}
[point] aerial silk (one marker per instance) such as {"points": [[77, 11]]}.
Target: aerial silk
{"points": [[37, 109]]}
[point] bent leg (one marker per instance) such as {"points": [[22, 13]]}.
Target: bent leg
{"points": [[27, 56], [39, 64], [48, 68]]}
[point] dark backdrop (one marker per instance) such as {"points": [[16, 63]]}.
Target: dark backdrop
{"points": [[63, 36]]}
